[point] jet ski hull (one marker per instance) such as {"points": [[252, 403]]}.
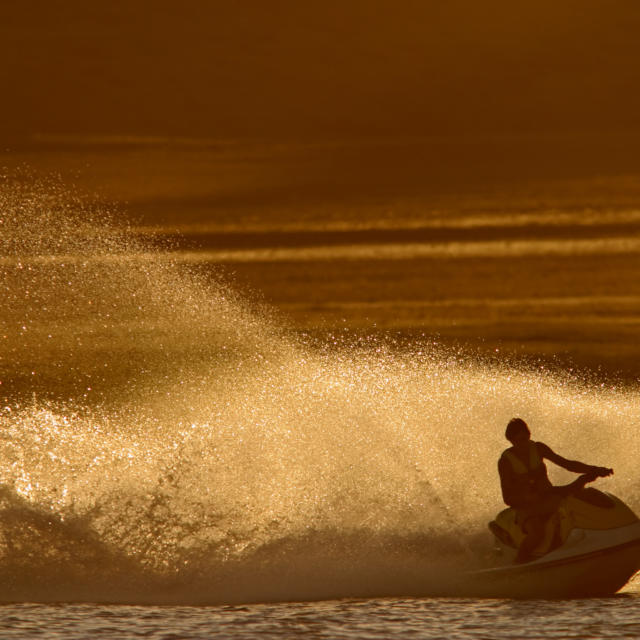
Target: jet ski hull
{"points": [[592, 569], [600, 573]]}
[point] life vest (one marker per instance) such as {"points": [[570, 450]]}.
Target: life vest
{"points": [[529, 476]]}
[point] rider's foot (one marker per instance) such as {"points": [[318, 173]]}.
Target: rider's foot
{"points": [[523, 558]]}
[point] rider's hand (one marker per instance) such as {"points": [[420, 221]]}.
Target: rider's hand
{"points": [[602, 472]]}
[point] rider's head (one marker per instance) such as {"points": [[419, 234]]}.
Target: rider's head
{"points": [[517, 431]]}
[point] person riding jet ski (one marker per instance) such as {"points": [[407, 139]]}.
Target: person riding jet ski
{"points": [[526, 486]]}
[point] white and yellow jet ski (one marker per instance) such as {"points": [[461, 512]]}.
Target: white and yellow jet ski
{"points": [[591, 548]]}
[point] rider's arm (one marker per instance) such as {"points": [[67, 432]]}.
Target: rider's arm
{"points": [[571, 465]]}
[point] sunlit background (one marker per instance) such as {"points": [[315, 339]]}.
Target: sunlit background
{"points": [[500, 141]]}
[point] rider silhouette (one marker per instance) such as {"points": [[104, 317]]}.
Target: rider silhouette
{"points": [[526, 486]]}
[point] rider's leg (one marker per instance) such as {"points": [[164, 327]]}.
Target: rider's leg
{"points": [[534, 529]]}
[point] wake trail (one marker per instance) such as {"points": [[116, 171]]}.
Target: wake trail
{"points": [[165, 439]]}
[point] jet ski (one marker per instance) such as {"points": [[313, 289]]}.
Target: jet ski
{"points": [[591, 548]]}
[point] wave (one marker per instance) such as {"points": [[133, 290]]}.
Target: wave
{"points": [[165, 439]]}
